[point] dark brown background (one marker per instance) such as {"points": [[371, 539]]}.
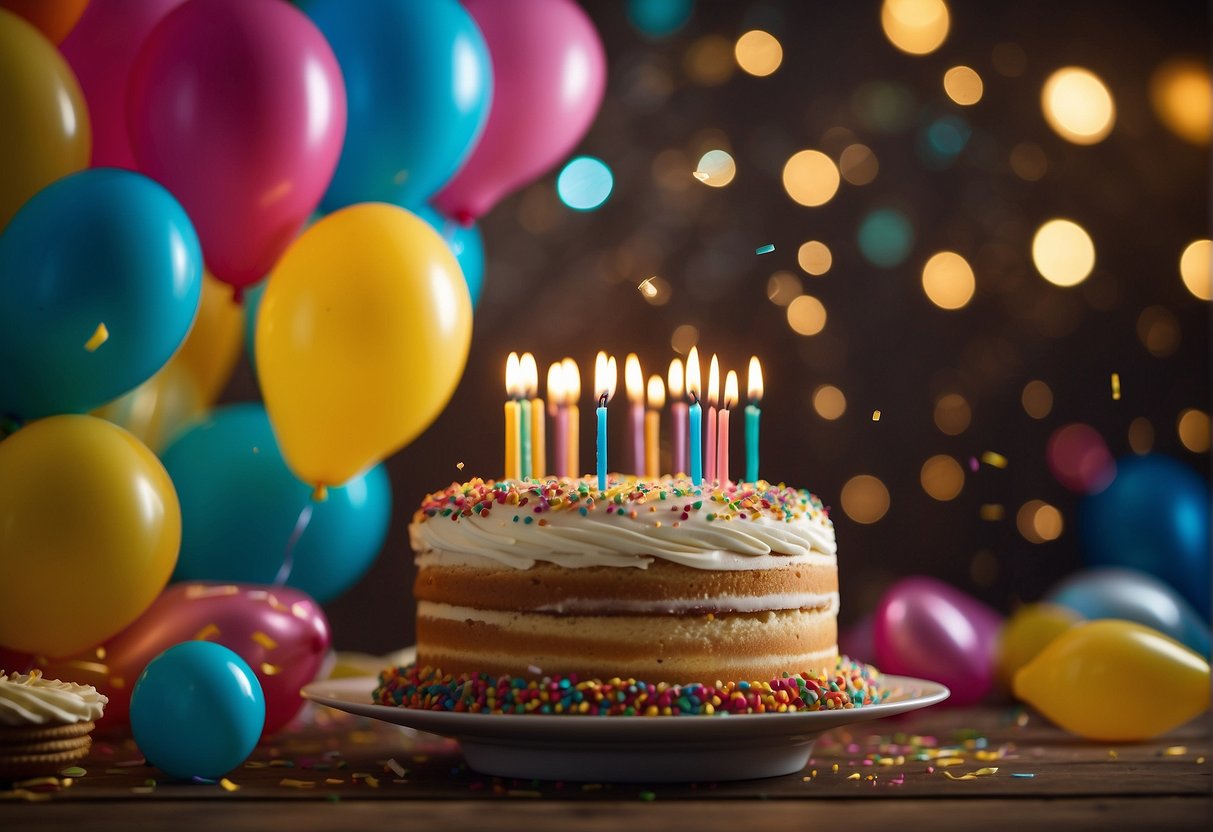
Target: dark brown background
{"points": [[561, 283]]}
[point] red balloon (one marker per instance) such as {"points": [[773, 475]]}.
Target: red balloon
{"points": [[281, 632], [238, 108], [925, 628]]}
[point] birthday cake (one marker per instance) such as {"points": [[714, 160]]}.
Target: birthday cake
{"points": [[653, 579]]}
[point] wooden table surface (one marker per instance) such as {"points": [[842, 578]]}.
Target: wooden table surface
{"points": [[339, 772]]}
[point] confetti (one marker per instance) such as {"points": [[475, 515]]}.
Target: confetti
{"points": [[459, 465], [396, 768], [72, 771], [263, 640], [228, 785], [291, 783], [854, 776], [100, 335], [1175, 751], [1115, 387], [994, 460], [1022, 774], [972, 775], [875, 415], [702, 176], [767, 249]]}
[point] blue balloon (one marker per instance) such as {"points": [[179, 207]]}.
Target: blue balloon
{"points": [[1113, 592], [197, 710], [240, 504], [466, 244], [419, 83], [1154, 517], [102, 246]]}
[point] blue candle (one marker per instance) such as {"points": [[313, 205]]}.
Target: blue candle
{"points": [[696, 415], [604, 386], [752, 414], [602, 443]]}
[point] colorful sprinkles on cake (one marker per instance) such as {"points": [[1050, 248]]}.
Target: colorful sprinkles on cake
{"points": [[848, 685]]}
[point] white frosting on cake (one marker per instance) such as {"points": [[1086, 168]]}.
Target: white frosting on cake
{"points": [[34, 700]]}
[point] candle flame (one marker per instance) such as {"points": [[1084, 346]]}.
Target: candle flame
{"points": [[528, 376], [675, 379], [511, 376], [730, 390], [694, 387], [656, 393], [713, 382], [572, 381], [605, 376], [555, 384], [633, 378], [754, 380]]}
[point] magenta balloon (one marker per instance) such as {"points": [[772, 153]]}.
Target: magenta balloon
{"points": [[281, 632], [238, 108], [101, 50], [549, 74], [925, 628]]}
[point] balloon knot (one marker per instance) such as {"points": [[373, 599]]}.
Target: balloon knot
{"points": [[320, 493]]}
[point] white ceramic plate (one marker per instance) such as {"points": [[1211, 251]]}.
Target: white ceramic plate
{"points": [[660, 749]]}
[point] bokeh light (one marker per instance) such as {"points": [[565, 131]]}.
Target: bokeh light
{"points": [[942, 477], [783, 288], [1078, 106], [758, 52], [656, 290], [829, 402], [1038, 521], [814, 257], [1158, 331], [584, 183], [858, 164], [1196, 268], [918, 27], [885, 237], [1029, 162], [1193, 430], [1182, 96], [810, 178], [1063, 252], [709, 60], [716, 168], [806, 315], [1141, 436], [685, 336], [1037, 399], [659, 18], [963, 85], [865, 499], [947, 280], [884, 106], [1079, 458], [952, 414], [941, 141]]}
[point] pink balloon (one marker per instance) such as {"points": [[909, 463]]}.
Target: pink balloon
{"points": [[238, 108], [925, 628], [549, 74], [101, 50], [281, 632], [1079, 458]]}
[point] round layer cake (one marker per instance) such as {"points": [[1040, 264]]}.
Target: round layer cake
{"points": [[659, 580]]}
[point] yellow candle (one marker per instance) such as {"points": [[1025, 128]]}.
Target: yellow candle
{"points": [[513, 468], [652, 427], [572, 393]]}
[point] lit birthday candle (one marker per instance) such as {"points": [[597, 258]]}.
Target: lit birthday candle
{"points": [[722, 428], [559, 412], [752, 414], [709, 462], [652, 428], [633, 381], [572, 394], [695, 417], [528, 380], [678, 416], [538, 462], [512, 469], [605, 376]]}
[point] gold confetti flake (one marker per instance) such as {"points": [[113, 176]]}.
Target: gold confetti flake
{"points": [[206, 633], [972, 775], [1175, 751], [994, 459], [854, 776], [270, 669], [100, 335], [291, 783], [228, 785], [1115, 387], [875, 415], [264, 640], [459, 465]]}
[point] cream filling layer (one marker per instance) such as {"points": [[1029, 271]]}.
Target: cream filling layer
{"points": [[826, 604], [716, 560]]}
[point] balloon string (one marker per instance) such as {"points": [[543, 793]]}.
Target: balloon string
{"points": [[288, 557]]}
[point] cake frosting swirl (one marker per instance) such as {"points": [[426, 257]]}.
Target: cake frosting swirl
{"points": [[31, 699]]}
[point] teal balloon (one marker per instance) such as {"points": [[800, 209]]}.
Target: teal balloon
{"points": [[1154, 516], [419, 83], [659, 18], [466, 244], [102, 246], [197, 710], [240, 504]]}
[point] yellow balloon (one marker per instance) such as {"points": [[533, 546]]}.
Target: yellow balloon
{"points": [[362, 336], [157, 409], [44, 125], [213, 346], [90, 528], [1028, 631], [1115, 680]]}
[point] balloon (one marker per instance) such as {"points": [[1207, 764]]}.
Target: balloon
{"points": [[44, 126], [209, 353], [101, 50], [281, 632], [1079, 458], [102, 246], [423, 83], [389, 323], [1114, 681], [549, 74], [251, 154], [923, 627], [466, 244], [89, 531], [1153, 517], [1110, 592], [157, 410], [240, 504], [197, 710], [54, 18], [1028, 631]]}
